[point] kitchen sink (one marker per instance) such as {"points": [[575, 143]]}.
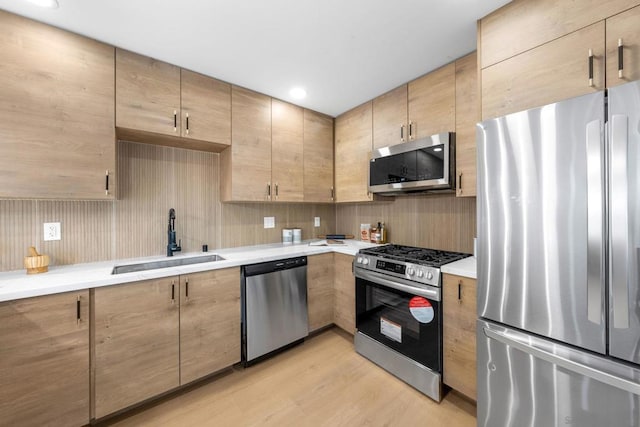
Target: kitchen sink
{"points": [[152, 265]]}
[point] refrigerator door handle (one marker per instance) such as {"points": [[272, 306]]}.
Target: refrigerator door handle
{"points": [[595, 224], [527, 344], [619, 225]]}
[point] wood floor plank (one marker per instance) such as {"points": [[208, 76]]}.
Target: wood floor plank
{"points": [[322, 382]]}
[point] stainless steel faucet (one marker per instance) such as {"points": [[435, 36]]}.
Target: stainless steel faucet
{"points": [[171, 233]]}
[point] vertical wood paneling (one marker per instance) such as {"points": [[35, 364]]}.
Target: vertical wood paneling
{"points": [[17, 232]]}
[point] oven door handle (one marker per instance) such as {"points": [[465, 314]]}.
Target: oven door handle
{"points": [[398, 284]]}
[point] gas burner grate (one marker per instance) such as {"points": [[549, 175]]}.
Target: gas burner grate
{"points": [[424, 256]]}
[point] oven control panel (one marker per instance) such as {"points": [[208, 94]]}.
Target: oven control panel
{"points": [[413, 272]]}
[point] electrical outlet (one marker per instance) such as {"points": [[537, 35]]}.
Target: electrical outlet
{"points": [[269, 222], [51, 231], [316, 221]]}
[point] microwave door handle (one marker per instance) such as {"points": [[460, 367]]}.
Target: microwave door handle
{"points": [[619, 217], [595, 223]]}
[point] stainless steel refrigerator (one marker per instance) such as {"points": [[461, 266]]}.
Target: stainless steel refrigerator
{"points": [[558, 264]]}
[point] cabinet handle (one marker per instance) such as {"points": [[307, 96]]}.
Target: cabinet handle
{"points": [[268, 190], [175, 121], [410, 130], [590, 68], [332, 195], [106, 184], [402, 132], [620, 58], [186, 290], [460, 182], [276, 191], [173, 293], [459, 291], [78, 319], [187, 119]]}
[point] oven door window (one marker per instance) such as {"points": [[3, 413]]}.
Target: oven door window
{"points": [[408, 324]]}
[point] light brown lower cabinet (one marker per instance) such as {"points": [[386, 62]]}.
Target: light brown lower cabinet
{"points": [[44, 360], [320, 292], [153, 336], [344, 314], [459, 335]]}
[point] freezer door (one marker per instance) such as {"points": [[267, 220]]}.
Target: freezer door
{"points": [[526, 381], [624, 226], [541, 250]]}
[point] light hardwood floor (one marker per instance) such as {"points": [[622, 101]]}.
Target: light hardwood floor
{"points": [[322, 382]]}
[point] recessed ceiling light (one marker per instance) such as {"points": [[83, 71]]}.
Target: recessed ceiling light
{"points": [[50, 4], [298, 93]]}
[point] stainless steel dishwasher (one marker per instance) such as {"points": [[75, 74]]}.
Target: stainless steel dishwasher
{"points": [[274, 306]]}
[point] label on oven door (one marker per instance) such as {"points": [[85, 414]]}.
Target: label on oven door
{"points": [[390, 329], [421, 309]]}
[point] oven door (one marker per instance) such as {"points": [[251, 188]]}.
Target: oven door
{"points": [[401, 316]]}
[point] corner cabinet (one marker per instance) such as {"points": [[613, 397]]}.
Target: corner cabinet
{"points": [[156, 335], [459, 334], [57, 133], [353, 146], [320, 293], [44, 360], [467, 115], [344, 315], [161, 103]]}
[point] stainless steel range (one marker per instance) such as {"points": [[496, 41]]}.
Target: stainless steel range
{"points": [[398, 312]]}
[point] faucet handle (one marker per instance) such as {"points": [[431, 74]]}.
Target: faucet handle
{"points": [[179, 243]]}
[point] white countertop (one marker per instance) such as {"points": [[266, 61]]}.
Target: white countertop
{"points": [[17, 284], [466, 267]]}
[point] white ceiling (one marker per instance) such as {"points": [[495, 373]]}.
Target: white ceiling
{"points": [[343, 52]]}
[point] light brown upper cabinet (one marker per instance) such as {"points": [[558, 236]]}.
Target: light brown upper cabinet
{"points": [[287, 152], [57, 134], [354, 143], [421, 108], [390, 118], [549, 73], [155, 100], [431, 107], [44, 354], [623, 47], [467, 115], [318, 157], [246, 166]]}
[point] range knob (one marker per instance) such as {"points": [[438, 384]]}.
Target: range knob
{"points": [[359, 260], [429, 275], [365, 261], [410, 271], [420, 273]]}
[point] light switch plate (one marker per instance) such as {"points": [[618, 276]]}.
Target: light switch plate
{"points": [[51, 231], [269, 222], [316, 221]]}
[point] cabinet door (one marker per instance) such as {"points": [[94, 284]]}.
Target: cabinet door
{"points": [[57, 137], [432, 100], [246, 165], [136, 339], [147, 94], [354, 142], [345, 293], [206, 108], [209, 322], [459, 336], [286, 152], [467, 115], [552, 72], [390, 118], [318, 157], [623, 27], [44, 360], [320, 293]]}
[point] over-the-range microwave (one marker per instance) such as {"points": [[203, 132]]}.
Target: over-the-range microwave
{"points": [[423, 165]]}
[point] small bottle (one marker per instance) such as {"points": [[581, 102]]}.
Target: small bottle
{"points": [[378, 233], [373, 234], [383, 233]]}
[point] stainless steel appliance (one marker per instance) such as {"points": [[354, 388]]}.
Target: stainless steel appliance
{"points": [[558, 257], [424, 165], [274, 306], [398, 312]]}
